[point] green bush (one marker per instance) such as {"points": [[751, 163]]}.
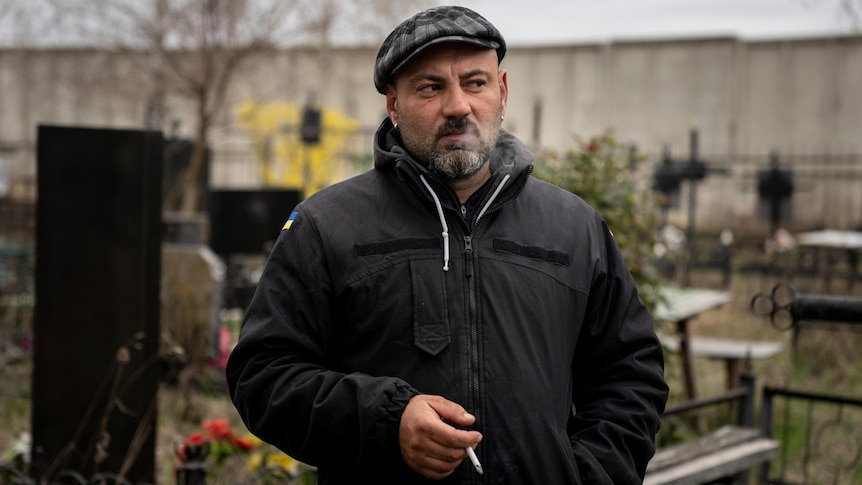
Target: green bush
{"points": [[606, 175]]}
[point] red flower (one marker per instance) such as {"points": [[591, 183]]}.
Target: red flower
{"points": [[218, 428], [217, 441], [196, 439], [245, 444]]}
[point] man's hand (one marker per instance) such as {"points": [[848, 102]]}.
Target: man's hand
{"points": [[428, 443]]}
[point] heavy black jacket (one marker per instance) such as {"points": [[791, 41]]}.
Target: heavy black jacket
{"points": [[535, 315]]}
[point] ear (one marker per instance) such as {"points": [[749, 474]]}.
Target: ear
{"points": [[391, 101], [504, 89]]}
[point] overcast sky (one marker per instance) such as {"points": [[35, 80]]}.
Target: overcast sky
{"points": [[553, 21], [531, 22]]}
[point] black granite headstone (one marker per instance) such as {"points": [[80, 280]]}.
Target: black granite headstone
{"points": [[248, 221], [96, 335]]}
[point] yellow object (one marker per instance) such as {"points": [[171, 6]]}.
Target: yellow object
{"points": [[283, 159]]}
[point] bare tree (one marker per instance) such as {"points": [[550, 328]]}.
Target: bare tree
{"points": [[853, 11], [193, 48], [849, 11], [332, 22], [200, 45], [196, 47]]}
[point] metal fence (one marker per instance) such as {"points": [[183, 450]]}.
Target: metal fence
{"points": [[821, 436], [825, 193], [825, 185]]}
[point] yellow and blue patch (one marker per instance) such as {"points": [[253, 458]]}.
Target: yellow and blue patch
{"points": [[289, 222]]}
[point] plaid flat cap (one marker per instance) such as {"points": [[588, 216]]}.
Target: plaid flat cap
{"points": [[433, 26]]}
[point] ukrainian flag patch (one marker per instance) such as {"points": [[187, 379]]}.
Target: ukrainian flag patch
{"points": [[289, 222]]}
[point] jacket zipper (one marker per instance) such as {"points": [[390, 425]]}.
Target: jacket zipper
{"points": [[473, 322]]}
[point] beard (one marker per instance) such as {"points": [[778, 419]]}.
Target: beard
{"points": [[455, 159], [458, 159]]}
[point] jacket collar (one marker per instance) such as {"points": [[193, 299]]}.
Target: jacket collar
{"points": [[509, 158]]}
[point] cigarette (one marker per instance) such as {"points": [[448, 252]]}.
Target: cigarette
{"points": [[476, 464]]}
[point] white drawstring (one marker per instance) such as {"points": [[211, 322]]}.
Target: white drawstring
{"points": [[493, 196], [443, 217], [442, 223]]}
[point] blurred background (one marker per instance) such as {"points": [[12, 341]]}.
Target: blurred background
{"points": [[203, 122]]}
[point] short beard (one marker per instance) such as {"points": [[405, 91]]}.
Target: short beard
{"points": [[459, 160]]}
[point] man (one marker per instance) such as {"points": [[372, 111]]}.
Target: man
{"points": [[447, 300]]}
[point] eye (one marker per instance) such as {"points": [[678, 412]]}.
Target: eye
{"points": [[428, 88], [475, 84]]}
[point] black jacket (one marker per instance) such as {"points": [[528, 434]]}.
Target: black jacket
{"points": [[534, 315]]}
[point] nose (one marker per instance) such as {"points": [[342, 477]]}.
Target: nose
{"points": [[456, 103]]}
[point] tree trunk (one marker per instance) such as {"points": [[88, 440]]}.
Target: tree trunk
{"points": [[191, 200]]}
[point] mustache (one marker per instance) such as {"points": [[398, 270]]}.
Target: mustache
{"points": [[456, 127]]}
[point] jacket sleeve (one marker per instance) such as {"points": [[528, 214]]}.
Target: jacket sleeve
{"points": [[281, 376], [619, 391]]}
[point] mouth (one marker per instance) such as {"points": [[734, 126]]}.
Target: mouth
{"points": [[459, 139], [457, 142], [456, 135], [460, 131]]}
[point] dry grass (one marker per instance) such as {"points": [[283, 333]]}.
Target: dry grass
{"points": [[824, 356], [819, 443], [181, 412]]}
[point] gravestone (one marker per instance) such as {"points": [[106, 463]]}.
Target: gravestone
{"points": [[192, 284], [248, 221], [96, 332], [775, 193]]}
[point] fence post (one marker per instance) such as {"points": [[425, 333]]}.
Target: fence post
{"points": [[745, 412], [766, 414], [192, 467]]}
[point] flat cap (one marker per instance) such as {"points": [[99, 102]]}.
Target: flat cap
{"points": [[430, 27]]}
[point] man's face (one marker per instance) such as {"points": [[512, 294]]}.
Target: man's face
{"points": [[448, 103]]}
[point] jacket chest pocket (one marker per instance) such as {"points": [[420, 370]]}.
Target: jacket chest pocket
{"points": [[431, 331]]}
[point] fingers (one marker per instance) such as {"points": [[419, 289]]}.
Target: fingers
{"points": [[429, 444], [450, 411], [437, 464]]}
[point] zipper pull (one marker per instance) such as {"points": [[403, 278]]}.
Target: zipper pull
{"points": [[468, 250]]}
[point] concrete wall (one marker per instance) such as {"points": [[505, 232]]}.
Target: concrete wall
{"points": [[743, 97], [793, 96]]}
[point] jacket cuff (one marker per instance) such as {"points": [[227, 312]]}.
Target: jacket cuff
{"points": [[396, 403]]}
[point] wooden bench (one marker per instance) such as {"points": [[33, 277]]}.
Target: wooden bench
{"points": [[681, 305], [732, 351], [726, 452], [730, 451]]}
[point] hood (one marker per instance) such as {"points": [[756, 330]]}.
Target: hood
{"points": [[510, 168], [510, 153]]}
